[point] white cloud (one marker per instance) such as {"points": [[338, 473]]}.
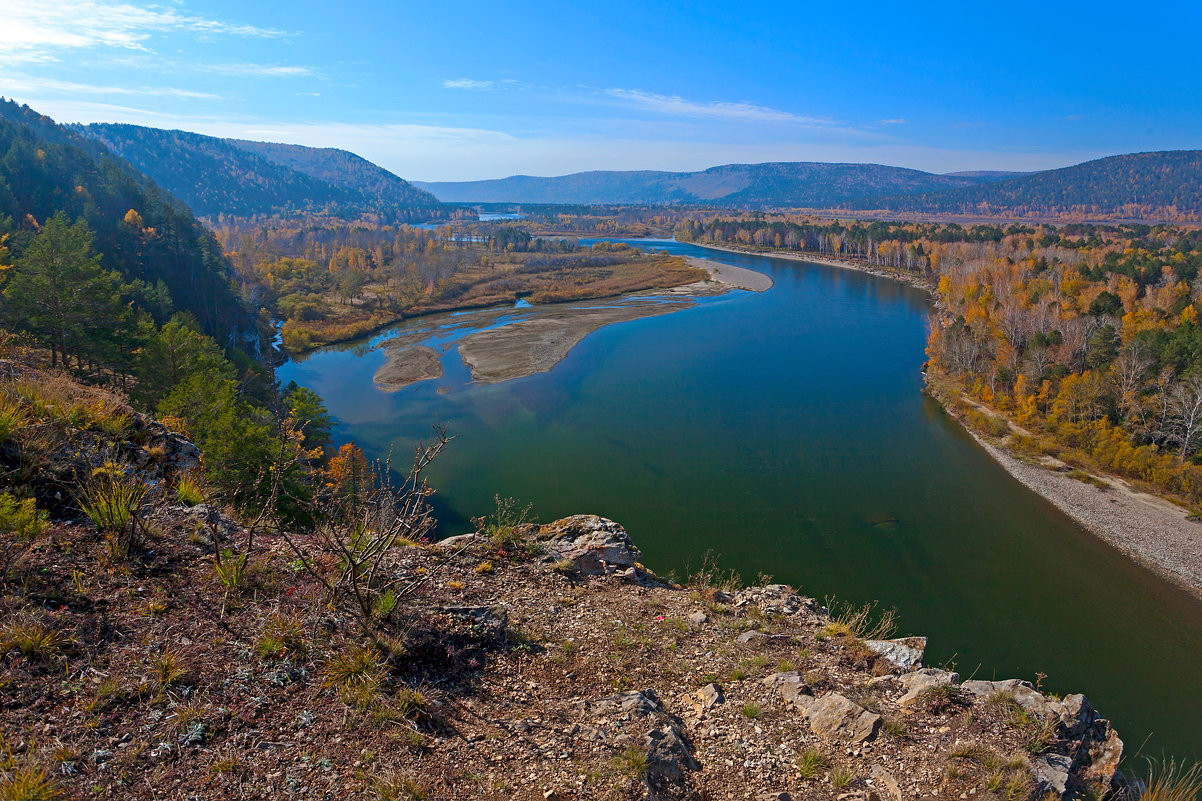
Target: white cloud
{"points": [[21, 84], [34, 29], [678, 106], [467, 83], [259, 70], [894, 121]]}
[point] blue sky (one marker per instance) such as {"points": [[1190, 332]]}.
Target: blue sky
{"points": [[463, 90]]}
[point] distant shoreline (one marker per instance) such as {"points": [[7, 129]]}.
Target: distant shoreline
{"points": [[864, 267]]}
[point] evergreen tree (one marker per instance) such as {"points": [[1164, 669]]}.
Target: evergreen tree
{"points": [[61, 294]]}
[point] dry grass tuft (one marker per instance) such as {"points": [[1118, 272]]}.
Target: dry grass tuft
{"points": [[31, 640], [355, 673], [1169, 781], [29, 784]]}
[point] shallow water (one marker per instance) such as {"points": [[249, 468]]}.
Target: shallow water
{"points": [[786, 431]]}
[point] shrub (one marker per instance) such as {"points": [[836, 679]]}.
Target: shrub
{"points": [[12, 419], [113, 501], [231, 571], [282, 636], [894, 727], [20, 522], [709, 577], [167, 668], [399, 788], [355, 673], [502, 526], [860, 622], [632, 762], [842, 777], [942, 698]]}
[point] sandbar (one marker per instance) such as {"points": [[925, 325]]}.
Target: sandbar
{"points": [[406, 365]]}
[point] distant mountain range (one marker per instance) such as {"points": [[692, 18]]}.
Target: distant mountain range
{"points": [[1164, 185], [800, 183], [242, 178]]}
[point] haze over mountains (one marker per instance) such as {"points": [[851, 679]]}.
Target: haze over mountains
{"points": [[802, 183], [1164, 185]]}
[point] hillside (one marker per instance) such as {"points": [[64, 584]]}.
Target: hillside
{"points": [[343, 169], [238, 178], [1165, 185], [808, 184], [48, 167], [187, 655]]}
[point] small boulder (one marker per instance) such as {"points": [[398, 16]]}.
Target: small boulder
{"points": [[699, 618], [630, 702], [904, 653], [458, 541], [1098, 760], [837, 717], [1051, 773], [1025, 695], [1076, 716], [789, 684], [703, 700], [775, 599], [668, 756], [919, 681], [885, 785]]}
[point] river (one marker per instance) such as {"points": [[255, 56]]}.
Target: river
{"points": [[786, 431]]}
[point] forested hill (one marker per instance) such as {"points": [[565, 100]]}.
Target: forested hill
{"points": [[1164, 185], [343, 169], [142, 232], [799, 184], [238, 178]]}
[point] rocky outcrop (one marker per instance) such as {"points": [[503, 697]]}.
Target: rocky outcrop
{"points": [[592, 545], [774, 599], [668, 754]]}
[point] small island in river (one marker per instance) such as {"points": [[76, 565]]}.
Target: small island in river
{"points": [[503, 344]]}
